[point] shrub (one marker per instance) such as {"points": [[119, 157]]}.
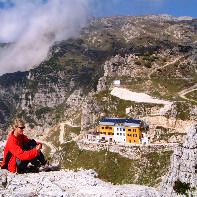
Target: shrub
{"points": [[181, 187]]}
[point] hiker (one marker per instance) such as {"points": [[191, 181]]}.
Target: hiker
{"points": [[19, 150]]}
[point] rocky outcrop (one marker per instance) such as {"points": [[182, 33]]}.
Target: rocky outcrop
{"points": [[182, 176], [67, 183], [90, 113], [126, 66], [11, 87], [102, 84]]}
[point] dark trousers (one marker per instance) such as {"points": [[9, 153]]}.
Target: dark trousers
{"points": [[37, 161]]}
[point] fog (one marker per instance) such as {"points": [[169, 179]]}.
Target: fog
{"points": [[33, 26]]}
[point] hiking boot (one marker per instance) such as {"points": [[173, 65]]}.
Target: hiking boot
{"points": [[45, 168], [48, 167]]}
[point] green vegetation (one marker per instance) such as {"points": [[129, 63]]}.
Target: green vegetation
{"points": [[183, 110], [181, 187], [170, 87], [40, 113], [27, 116], [115, 107], [161, 87], [146, 60], [192, 95], [47, 151], [112, 106], [53, 137], [166, 133], [155, 166], [32, 85], [75, 130], [116, 169], [58, 113], [11, 79]]}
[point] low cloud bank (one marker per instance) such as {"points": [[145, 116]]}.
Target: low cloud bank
{"points": [[33, 26]]}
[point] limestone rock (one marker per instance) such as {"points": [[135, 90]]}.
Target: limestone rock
{"points": [[183, 167], [68, 183]]}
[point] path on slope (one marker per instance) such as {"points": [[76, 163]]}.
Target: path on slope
{"points": [[62, 130], [186, 91], [165, 65]]}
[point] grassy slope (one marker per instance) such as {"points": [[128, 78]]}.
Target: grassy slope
{"points": [[116, 169]]}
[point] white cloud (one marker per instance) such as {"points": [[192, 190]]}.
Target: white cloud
{"points": [[33, 26]]}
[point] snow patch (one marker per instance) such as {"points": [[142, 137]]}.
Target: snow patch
{"points": [[126, 94]]}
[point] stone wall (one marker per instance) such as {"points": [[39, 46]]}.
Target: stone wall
{"points": [[128, 151]]}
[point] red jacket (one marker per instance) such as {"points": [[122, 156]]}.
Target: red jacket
{"points": [[13, 146]]}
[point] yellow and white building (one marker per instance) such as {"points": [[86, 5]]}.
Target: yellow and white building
{"points": [[121, 130]]}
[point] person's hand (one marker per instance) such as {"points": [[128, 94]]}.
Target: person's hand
{"points": [[39, 146]]}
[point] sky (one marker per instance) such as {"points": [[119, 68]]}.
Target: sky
{"points": [[131, 7], [143, 7], [33, 26]]}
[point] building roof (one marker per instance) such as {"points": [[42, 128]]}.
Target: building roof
{"points": [[113, 121]]}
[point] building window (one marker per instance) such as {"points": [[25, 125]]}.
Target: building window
{"points": [[121, 134], [106, 127], [117, 129], [117, 133], [120, 129], [128, 135], [123, 129], [102, 127], [129, 141], [129, 129]]}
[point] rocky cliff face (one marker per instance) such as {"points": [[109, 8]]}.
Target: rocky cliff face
{"points": [[11, 86], [135, 50], [90, 114], [182, 176]]}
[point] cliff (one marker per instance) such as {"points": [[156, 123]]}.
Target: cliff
{"points": [[182, 177]]}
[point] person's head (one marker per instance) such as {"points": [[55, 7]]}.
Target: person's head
{"points": [[18, 126]]}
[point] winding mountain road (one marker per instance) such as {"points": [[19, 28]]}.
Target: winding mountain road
{"points": [[186, 91], [62, 131]]}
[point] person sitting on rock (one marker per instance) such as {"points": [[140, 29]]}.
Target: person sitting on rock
{"points": [[19, 150]]}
